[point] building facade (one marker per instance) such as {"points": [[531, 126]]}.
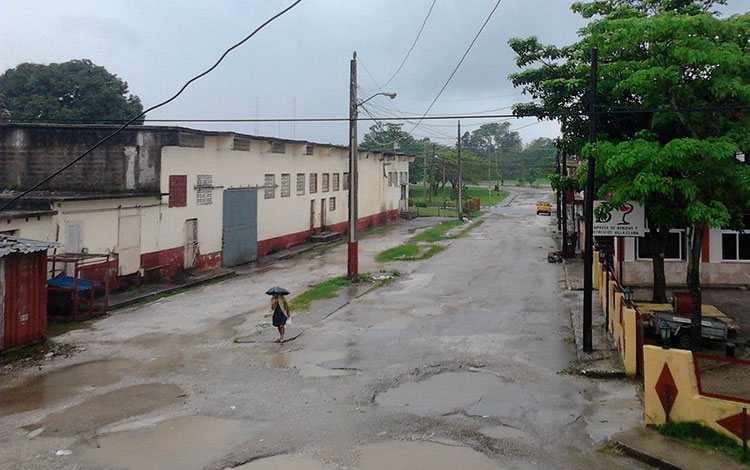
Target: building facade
{"points": [[170, 199]]}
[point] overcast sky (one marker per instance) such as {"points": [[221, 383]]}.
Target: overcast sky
{"points": [[299, 65]]}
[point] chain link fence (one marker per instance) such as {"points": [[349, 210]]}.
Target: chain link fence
{"points": [[723, 377]]}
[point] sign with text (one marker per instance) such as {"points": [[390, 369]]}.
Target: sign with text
{"points": [[628, 220]]}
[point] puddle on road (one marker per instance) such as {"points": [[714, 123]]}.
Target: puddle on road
{"points": [[504, 432], [108, 408], [398, 455], [178, 443], [42, 390], [447, 390], [287, 462], [308, 363], [225, 329]]}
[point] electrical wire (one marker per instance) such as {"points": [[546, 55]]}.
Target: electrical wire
{"points": [[460, 61], [143, 113], [412, 46]]}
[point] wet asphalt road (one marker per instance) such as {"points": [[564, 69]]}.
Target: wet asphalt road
{"points": [[454, 365]]}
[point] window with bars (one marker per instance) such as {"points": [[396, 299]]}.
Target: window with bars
{"points": [[324, 184], [240, 144], [331, 203], [336, 181], [392, 178], [309, 149], [204, 190], [735, 246], [300, 184], [313, 183], [278, 147], [346, 181], [286, 183], [269, 187]]}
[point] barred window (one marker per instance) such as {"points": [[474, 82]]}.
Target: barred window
{"points": [[309, 149], [278, 147], [240, 144], [204, 189], [336, 181], [392, 178], [269, 186], [313, 183], [300, 184], [324, 183], [332, 204], [286, 182], [346, 181]]}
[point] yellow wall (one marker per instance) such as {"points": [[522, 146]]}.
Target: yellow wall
{"points": [[688, 405]]}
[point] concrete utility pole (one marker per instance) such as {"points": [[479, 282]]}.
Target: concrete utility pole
{"points": [[588, 258], [559, 191], [353, 255], [460, 215], [564, 172]]}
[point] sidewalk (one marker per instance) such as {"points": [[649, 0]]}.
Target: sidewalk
{"points": [[640, 443], [603, 361]]}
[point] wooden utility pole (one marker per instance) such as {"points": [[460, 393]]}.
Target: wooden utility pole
{"points": [[460, 215], [352, 249], [588, 258]]}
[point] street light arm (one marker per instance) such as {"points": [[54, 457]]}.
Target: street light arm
{"points": [[389, 95]]}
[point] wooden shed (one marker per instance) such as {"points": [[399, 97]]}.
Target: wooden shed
{"points": [[23, 291]]}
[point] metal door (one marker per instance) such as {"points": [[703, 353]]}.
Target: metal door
{"points": [[191, 243], [323, 214], [240, 226], [312, 215]]}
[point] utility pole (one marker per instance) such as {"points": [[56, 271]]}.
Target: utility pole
{"points": [[460, 215], [559, 191], [424, 173], [564, 172], [352, 251], [588, 258]]}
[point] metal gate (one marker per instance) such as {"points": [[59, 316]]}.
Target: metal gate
{"points": [[240, 226]]}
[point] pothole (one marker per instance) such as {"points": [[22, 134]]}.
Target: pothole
{"points": [[283, 461], [448, 390], [399, 455], [42, 390], [108, 408], [308, 363], [178, 443]]}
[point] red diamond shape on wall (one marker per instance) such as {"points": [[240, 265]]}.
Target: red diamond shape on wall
{"points": [[734, 424], [666, 388]]}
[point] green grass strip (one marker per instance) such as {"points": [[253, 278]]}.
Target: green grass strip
{"points": [[324, 290], [438, 232], [409, 252], [703, 436]]}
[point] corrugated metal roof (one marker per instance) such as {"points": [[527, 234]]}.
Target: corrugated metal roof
{"points": [[9, 245]]}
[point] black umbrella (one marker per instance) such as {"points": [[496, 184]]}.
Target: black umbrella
{"points": [[277, 290]]}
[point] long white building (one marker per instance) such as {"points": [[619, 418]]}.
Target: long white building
{"points": [[169, 199]]}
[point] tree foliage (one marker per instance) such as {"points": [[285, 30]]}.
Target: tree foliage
{"points": [[77, 90], [654, 56]]}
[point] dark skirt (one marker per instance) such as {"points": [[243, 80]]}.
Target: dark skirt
{"points": [[279, 319]]}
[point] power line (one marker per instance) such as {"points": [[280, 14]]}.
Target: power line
{"points": [[460, 61], [412, 46], [143, 113]]}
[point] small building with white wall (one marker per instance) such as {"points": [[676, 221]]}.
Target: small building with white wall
{"points": [[170, 199]]}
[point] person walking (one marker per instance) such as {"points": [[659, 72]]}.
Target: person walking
{"points": [[281, 314]]}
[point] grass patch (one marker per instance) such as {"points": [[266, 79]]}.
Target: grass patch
{"points": [[703, 436], [324, 290], [408, 252], [570, 339], [468, 229], [438, 232]]}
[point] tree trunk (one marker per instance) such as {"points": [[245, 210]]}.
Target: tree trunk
{"points": [[695, 239], [659, 236]]}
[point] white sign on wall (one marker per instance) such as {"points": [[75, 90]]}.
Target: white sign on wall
{"points": [[628, 220]]}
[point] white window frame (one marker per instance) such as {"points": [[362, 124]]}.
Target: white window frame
{"points": [[286, 183], [682, 246], [269, 186]]}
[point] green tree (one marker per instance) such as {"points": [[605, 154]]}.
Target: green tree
{"points": [[390, 136], [78, 90], [657, 55]]}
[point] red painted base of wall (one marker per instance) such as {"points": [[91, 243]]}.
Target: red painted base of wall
{"points": [[285, 241]]}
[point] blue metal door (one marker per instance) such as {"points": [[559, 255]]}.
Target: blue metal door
{"points": [[240, 226]]}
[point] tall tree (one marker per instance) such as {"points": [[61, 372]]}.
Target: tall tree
{"points": [[654, 55], [78, 90]]}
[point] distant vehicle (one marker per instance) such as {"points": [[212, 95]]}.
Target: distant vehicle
{"points": [[543, 207]]}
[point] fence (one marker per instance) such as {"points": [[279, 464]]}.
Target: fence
{"points": [[722, 377]]}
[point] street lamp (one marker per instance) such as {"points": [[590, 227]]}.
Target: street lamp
{"points": [[665, 333], [354, 104]]}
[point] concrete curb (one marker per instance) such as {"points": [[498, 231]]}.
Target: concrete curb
{"points": [[150, 295]]}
